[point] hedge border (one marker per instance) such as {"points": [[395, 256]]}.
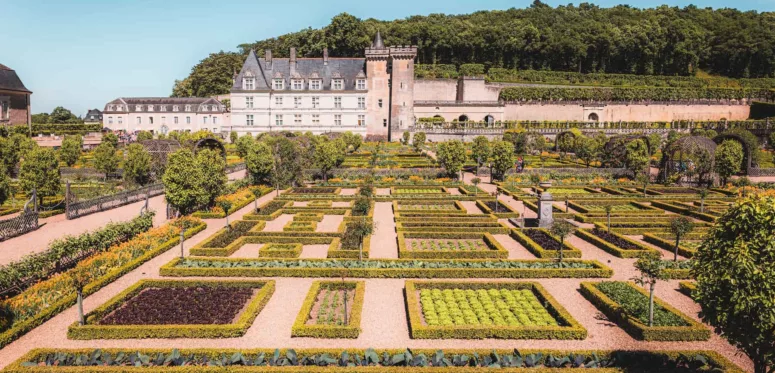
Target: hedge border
{"points": [[459, 208], [36, 354], [668, 246], [234, 329], [239, 242], [683, 211], [308, 226], [353, 327], [587, 235], [694, 332], [22, 328], [573, 330], [643, 209], [570, 251], [335, 252], [503, 215], [266, 250], [687, 287], [599, 270], [495, 251]]}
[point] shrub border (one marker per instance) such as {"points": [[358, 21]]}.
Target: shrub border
{"points": [[532, 246], [265, 251], [587, 235], [353, 327], [668, 246], [503, 215], [495, 251]]}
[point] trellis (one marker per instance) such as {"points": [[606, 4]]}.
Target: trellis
{"points": [[26, 221], [688, 157], [615, 150], [159, 151]]}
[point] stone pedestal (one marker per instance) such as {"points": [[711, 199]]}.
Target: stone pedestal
{"points": [[545, 218]]}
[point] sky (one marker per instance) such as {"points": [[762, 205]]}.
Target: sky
{"points": [[80, 54]]}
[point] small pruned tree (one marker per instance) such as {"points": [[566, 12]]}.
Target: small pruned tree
{"points": [[476, 182], [80, 277], [736, 278], [40, 171], [643, 178], [703, 193], [502, 158], [106, 159], [452, 156], [562, 229], [361, 228], [258, 162], [651, 271], [405, 137], [418, 141], [326, 155], [243, 144], [213, 171], [729, 159], [680, 226], [480, 151], [257, 193], [183, 182], [137, 166], [608, 209], [110, 139], [225, 205], [71, 149]]}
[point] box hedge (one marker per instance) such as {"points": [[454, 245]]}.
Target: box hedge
{"points": [[351, 330], [587, 235], [495, 249], [569, 251]]}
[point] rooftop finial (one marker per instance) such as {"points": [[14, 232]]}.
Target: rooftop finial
{"points": [[378, 44]]}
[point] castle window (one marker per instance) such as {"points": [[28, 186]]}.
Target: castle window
{"points": [[315, 84], [188, 120], [315, 119], [337, 84], [110, 120], [204, 120], [338, 119], [315, 102], [361, 102], [384, 123], [297, 102], [120, 120], [139, 108], [361, 120], [188, 107], [338, 102], [297, 84], [249, 102], [249, 83], [215, 120], [175, 108], [163, 108], [139, 120], [379, 102], [120, 107], [249, 119], [278, 100], [297, 119], [278, 120], [175, 120], [110, 107], [278, 84], [215, 107], [361, 84]]}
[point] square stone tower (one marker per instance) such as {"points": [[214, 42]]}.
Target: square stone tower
{"points": [[390, 79]]}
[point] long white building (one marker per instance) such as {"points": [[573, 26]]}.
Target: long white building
{"points": [[165, 114]]}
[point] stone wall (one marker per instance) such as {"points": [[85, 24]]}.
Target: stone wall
{"points": [[435, 90], [453, 112], [19, 113], [625, 113]]}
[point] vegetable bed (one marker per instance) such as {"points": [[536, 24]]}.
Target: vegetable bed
{"points": [[324, 315]]}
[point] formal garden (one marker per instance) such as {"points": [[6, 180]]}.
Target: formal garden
{"points": [[333, 254]]}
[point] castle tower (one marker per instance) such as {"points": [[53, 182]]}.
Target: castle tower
{"points": [[377, 83], [390, 72]]}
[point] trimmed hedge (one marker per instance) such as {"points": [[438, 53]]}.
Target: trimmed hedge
{"points": [[198, 250], [300, 226], [668, 245], [683, 211], [91, 330], [600, 243], [495, 251], [687, 287], [379, 360], [429, 268], [509, 213], [351, 330], [54, 309], [308, 216], [569, 329], [335, 250], [492, 226], [280, 250], [694, 332], [570, 251]]}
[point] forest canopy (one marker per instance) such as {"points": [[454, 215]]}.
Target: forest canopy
{"points": [[586, 38]]}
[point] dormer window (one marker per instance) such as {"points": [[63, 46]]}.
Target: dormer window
{"points": [[163, 108], [150, 107], [315, 84], [361, 84], [119, 107], [110, 107], [249, 83], [297, 84], [139, 107], [215, 108], [188, 107], [278, 84], [337, 84], [175, 108]]}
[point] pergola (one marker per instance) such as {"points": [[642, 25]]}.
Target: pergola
{"points": [[689, 157], [159, 151]]}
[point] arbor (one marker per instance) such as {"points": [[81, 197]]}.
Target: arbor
{"points": [[183, 182], [562, 230], [679, 226], [418, 140], [651, 271], [326, 157], [137, 166], [736, 278], [452, 156], [729, 158], [70, 150], [258, 162], [501, 157], [106, 159], [637, 156], [480, 151], [213, 168], [40, 171]]}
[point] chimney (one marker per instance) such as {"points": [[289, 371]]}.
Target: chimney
{"points": [[325, 56], [268, 59], [293, 61]]}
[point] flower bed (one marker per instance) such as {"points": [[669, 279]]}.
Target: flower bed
{"points": [[476, 310], [430, 207], [368, 360], [315, 190], [384, 268], [627, 305], [348, 251], [323, 313], [238, 199], [449, 245], [280, 250], [50, 297], [177, 309], [417, 190], [542, 244], [226, 235], [268, 211], [615, 244], [504, 211], [434, 225]]}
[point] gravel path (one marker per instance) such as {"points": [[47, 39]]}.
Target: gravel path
{"points": [[330, 223], [383, 240]]}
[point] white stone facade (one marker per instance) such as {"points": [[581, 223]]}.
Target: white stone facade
{"points": [[162, 115]]}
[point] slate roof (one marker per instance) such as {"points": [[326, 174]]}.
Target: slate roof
{"points": [[10, 81], [166, 102], [349, 69]]}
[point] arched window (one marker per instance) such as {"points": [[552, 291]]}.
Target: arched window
{"points": [[463, 118], [593, 117], [489, 120]]}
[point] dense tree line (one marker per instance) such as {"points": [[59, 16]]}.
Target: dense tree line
{"points": [[584, 38]]}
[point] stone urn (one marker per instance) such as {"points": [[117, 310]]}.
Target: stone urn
{"points": [[545, 184]]}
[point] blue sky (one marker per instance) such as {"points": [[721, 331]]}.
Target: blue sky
{"points": [[82, 54]]}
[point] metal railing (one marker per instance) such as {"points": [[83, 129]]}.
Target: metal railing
{"points": [[26, 221], [75, 210]]}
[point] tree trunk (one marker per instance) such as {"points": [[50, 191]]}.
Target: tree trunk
{"points": [[81, 320], [675, 256], [609, 223], [651, 304], [562, 245], [360, 249], [702, 206]]}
